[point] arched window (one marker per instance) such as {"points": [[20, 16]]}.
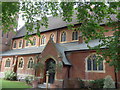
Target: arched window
{"points": [[34, 41], [30, 63], [63, 36], [43, 40], [92, 65], [21, 63], [52, 37], [14, 46], [20, 43], [7, 64], [75, 35], [27, 42]]}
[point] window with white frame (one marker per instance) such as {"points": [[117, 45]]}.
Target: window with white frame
{"points": [[34, 41], [43, 40], [7, 64], [20, 43], [92, 64], [20, 65], [30, 63], [52, 37], [63, 36], [15, 44], [27, 42], [75, 35]]}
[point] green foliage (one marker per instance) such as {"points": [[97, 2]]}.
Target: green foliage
{"points": [[29, 79], [9, 15], [82, 84], [109, 83], [10, 75], [89, 14], [99, 83]]}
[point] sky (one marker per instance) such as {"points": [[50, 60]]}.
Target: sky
{"points": [[20, 22]]}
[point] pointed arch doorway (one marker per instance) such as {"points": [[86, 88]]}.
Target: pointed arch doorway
{"points": [[50, 66]]}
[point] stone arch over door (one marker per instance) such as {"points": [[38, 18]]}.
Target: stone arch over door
{"points": [[50, 64]]}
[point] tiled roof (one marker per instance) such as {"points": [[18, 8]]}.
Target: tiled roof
{"points": [[53, 23], [73, 46], [24, 51], [62, 50]]}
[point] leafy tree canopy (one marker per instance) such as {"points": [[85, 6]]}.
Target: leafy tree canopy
{"points": [[89, 14]]}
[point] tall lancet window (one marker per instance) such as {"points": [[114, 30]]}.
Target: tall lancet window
{"points": [[63, 36]]}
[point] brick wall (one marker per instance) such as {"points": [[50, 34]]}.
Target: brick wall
{"points": [[57, 36], [5, 42], [78, 69]]}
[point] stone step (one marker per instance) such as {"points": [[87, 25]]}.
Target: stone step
{"points": [[43, 85]]}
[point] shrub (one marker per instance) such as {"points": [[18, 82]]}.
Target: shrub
{"points": [[28, 79], [10, 75], [109, 83], [99, 83], [81, 82]]}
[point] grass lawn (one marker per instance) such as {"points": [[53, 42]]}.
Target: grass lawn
{"points": [[14, 84]]}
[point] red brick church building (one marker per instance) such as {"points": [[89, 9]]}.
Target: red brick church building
{"points": [[59, 45]]}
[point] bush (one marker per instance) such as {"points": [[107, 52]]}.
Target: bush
{"points": [[10, 75], [81, 82], [28, 79], [99, 83], [109, 83]]}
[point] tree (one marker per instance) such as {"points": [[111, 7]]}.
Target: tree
{"points": [[9, 15], [89, 14]]}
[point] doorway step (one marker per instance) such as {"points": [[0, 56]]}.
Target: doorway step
{"points": [[43, 85]]}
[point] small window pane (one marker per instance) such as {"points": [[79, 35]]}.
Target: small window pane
{"points": [[52, 37], [14, 44], [94, 65], [34, 41], [20, 43], [63, 37], [27, 42], [7, 63], [100, 66], [30, 63], [89, 64], [43, 40], [21, 63], [75, 35]]}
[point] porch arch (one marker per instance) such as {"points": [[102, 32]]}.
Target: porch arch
{"points": [[50, 65]]}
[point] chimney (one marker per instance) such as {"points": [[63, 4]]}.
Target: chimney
{"points": [[80, 39]]}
